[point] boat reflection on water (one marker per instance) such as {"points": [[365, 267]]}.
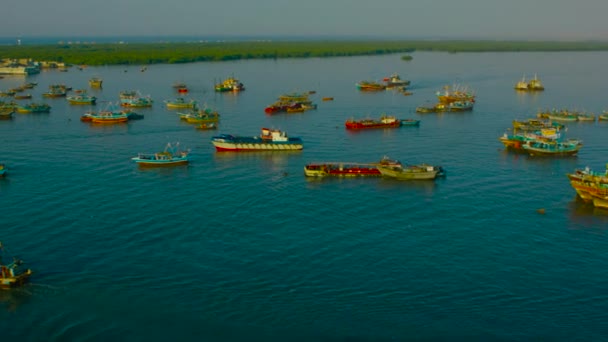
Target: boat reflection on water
{"points": [[278, 155], [586, 214], [11, 300]]}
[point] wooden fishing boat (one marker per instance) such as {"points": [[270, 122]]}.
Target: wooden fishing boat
{"points": [[6, 113], [81, 99], [34, 108], [535, 84], [327, 99], [522, 85], [56, 90], [171, 156], [395, 169], [455, 93], [588, 183], [131, 98], [603, 116], [341, 169], [229, 84], [201, 116], [552, 148], [105, 117], [95, 82], [2, 170], [180, 102], [370, 86], [395, 81], [269, 140], [11, 273], [22, 96], [385, 121]]}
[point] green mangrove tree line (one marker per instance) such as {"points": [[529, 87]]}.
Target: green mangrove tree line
{"points": [[153, 53]]}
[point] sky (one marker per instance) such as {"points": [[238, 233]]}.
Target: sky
{"points": [[392, 19]]}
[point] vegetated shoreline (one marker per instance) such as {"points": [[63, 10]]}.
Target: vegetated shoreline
{"points": [[180, 52]]}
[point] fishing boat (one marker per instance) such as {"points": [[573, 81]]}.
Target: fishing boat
{"points": [[11, 274], [522, 84], [552, 148], [229, 84], [171, 156], [341, 169], [395, 169], [535, 84], [370, 86], [6, 113], [395, 81], [2, 170], [131, 98], [105, 117], [603, 116], [385, 121], [180, 102], [7, 93], [588, 183], [81, 99], [200, 116], [455, 93], [34, 108], [56, 90], [95, 82], [269, 140], [22, 96]]}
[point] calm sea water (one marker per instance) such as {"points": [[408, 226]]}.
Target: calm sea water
{"points": [[242, 246]]}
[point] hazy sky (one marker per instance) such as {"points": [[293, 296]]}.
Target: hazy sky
{"points": [[505, 19]]}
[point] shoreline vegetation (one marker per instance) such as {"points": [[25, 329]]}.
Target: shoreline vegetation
{"points": [[178, 52]]}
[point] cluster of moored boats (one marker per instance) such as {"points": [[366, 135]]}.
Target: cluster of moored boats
{"points": [[451, 99], [540, 137]]}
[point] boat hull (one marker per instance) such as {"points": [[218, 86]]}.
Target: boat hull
{"points": [[256, 146], [16, 281], [417, 173], [159, 163], [340, 170]]}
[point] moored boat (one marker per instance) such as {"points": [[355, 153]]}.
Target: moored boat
{"points": [[455, 93], [603, 116], [171, 156], [229, 84], [95, 82], [207, 126], [2, 170], [395, 81], [105, 117], [341, 169], [552, 148], [56, 90], [395, 169], [180, 102], [34, 108], [385, 121], [22, 96], [11, 274], [6, 113], [81, 99], [370, 86], [270, 140]]}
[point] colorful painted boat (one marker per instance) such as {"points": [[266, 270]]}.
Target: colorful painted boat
{"points": [[395, 81], [106, 117], [269, 140], [395, 169], [370, 86], [6, 113], [171, 156], [535, 84], [2, 170], [229, 84], [11, 274], [588, 183], [385, 121], [201, 116], [455, 93], [95, 82], [552, 148], [341, 169], [134, 99], [180, 102], [55, 91], [81, 99], [34, 108]]}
